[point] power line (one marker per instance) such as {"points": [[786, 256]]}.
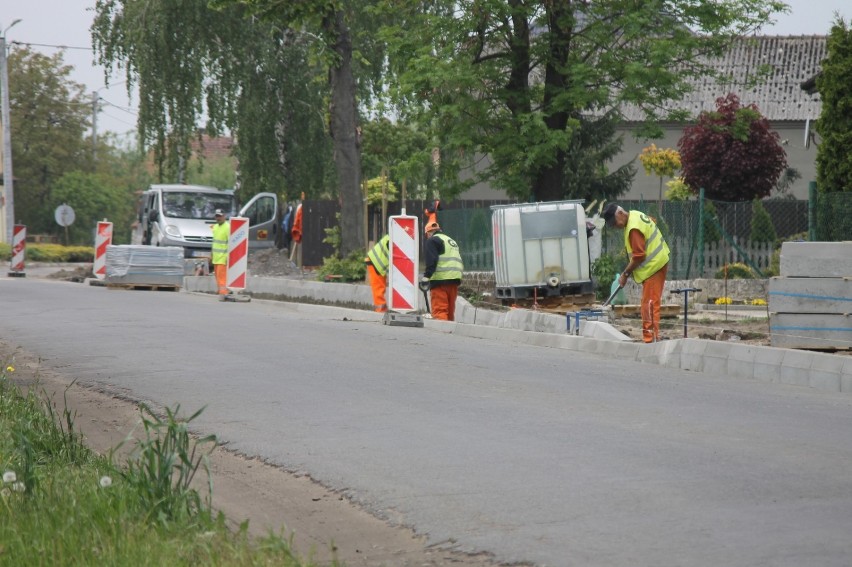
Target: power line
{"points": [[122, 108], [49, 45]]}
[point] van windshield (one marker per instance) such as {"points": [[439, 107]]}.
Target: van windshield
{"points": [[192, 205]]}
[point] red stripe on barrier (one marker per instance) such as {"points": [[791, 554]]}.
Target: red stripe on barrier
{"points": [[404, 264], [238, 253], [400, 302], [240, 281]]}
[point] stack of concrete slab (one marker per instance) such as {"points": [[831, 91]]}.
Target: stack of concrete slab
{"points": [[144, 265], [810, 303]]}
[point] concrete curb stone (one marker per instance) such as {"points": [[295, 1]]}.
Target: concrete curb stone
{"points": [[822, 371]]}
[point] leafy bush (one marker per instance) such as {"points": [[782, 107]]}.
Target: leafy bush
{"points": [[737, 271], [604, 271], [678, 191], [762, 229], [349, 269], [51, 253]]}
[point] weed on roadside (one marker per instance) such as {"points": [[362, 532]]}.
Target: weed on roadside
{"points": [[62, 504]]}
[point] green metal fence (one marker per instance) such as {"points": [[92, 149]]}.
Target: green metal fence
{"points": [[731, 232]]}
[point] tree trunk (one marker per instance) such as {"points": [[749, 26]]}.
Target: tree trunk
{"points": [[548, 183], [346, 138]]}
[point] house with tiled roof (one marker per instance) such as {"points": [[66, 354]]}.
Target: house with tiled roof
{"points": [[782, 97], [213, 149]]}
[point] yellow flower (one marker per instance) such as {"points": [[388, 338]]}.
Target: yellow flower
{"points": [[724, 301], [10, 368], [759, 302]]}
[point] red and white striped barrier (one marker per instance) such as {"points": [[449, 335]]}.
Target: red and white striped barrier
{"points": [[404, 255], [19, 250], [237, 254], [103, 238]]}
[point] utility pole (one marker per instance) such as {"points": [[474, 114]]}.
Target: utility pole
{"points": [[8, 177], [94, 127]]}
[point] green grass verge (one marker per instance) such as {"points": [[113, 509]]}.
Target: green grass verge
{"points": [[62, 504]]}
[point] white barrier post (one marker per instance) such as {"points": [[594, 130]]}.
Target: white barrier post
{"points": [[103, 238], [404, 252], [235, 279], [19, 251]]}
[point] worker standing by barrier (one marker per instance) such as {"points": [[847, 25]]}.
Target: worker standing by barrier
{"points": [[377, 269], [443, 273], [221, 233]]}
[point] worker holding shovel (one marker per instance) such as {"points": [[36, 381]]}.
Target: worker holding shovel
{"points": [[649, 262], [443, 273]]}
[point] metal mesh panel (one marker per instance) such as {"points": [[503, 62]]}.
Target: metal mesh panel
{"points": [[728, 234], [731, 232], [833, 212]]}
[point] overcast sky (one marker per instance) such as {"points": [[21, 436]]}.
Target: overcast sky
{"points": [[47, 24]]}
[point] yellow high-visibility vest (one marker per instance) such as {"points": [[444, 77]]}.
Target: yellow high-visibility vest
{"points": [[450, 265], [221, 232], [378, 255], [656, 249]]}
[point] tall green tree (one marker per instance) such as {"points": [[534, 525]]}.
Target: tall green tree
{"points": [[93, 197], [399, 150], [49, 117], [834, 125], [518, 81], [280, 75], [191, 63], [344, 39], [732, 152]]}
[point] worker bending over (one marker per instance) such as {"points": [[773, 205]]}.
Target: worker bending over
{"points": [[649, 262], [377, 261], [443, 273]]}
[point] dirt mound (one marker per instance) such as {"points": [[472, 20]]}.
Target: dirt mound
{"points": [[78, 274], [272, 262]]}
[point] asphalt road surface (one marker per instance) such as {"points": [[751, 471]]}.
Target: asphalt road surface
{"points": [[532, 454]]}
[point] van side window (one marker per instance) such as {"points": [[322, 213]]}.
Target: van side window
{"points": [[262, 210]]}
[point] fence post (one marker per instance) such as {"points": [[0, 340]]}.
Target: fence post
{"points": [[700, 273], [812, 204]]}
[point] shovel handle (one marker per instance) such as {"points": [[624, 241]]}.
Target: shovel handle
{"points": [[611, 297]]}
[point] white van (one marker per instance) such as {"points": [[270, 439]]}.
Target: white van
{"points": [[182, 215]]}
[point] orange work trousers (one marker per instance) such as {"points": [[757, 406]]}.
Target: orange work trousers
{"points": [[379, 285], [652, 295], [443, 299], [221, 278]]}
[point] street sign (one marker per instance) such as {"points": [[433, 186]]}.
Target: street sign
{"points": [[64, 215]]}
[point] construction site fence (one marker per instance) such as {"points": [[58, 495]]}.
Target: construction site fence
{"points": [[730, 232]]}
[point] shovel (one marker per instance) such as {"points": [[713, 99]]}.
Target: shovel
{"points": [[425, 291], [612, 296]]}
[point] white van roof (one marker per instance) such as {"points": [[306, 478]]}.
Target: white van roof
{"points": [[192, 188]]}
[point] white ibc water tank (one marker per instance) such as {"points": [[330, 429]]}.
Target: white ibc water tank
{"points": [[540, 248]]}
